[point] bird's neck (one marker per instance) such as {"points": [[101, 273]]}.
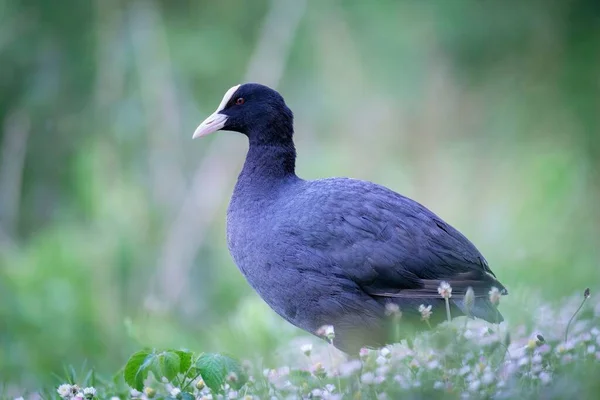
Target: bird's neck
{"points": [[271, 155], [267, 169], [269, 162]]}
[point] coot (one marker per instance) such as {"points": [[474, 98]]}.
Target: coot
{"points": [[337, 251]]}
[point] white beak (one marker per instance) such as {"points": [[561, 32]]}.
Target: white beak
{"points": [[211, 124], [215, 121]]}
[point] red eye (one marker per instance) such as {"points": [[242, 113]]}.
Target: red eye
{"points": [[239, 101]]}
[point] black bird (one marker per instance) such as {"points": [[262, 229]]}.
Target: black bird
{"points": [[337, 251]]}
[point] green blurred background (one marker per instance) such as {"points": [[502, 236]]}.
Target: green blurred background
{"points": [[112, 219]]}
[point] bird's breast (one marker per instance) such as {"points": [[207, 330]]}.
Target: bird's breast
{"points": [[247, 239]]}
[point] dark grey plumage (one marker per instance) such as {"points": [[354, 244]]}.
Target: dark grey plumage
{"points": [[336, 251]]}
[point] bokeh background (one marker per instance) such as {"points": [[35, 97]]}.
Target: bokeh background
{"points": [[112, 220]]}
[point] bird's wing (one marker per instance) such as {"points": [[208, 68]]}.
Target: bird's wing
{"points": [[390, 245]]}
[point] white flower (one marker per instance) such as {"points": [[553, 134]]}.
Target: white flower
{"points": [[445, 290], [385, 352], [484, 331], [545, 377], [469, 300], [425, 312], [89, 391], [381, 360], [437, 385], [115, 398], [175, 392], [19, 398], [382, 370], [348, 368], [367, 378], [232, 395], [330, 388], [392, 310], [135, 393], [494, 295], [487, 378], [591, 349], [402, 381], [64, 390], [464, 370], [231, 377], [523, 361], [326, 331], [306, 349], [329, 332], [318, 368], [474, 386]]}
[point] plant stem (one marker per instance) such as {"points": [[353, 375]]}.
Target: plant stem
{"points": [[190, 381], [448, 309], [339, 388], [573, 317]]}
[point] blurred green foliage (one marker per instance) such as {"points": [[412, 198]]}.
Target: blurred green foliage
{"points": [[488, 112]]}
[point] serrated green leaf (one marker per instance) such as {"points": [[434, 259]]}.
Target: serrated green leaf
{"points": [[165, 364], [212, 371], [185, 360], [136, 369], [215, 368]]}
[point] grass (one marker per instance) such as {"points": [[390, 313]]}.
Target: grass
{"points": [[556, 356]]}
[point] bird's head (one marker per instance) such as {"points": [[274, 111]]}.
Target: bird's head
{"points": [[255, 110]]}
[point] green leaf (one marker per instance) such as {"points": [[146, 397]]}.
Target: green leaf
{"points": [[136, 369], [185, 360], [165, 364], [216, 368], [90, 378]]}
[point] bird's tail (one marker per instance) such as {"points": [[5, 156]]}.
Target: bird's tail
{"points": [[482, 308]]}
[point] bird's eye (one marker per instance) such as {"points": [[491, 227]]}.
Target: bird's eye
{"points": [[239, 101]]}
